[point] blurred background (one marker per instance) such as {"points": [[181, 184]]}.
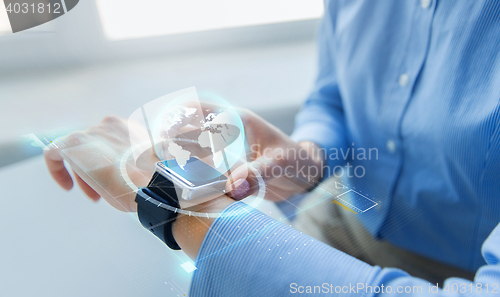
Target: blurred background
{"points": [[110, 57]]}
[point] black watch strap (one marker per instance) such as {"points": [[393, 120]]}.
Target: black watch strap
{"points": [[152, 216]]}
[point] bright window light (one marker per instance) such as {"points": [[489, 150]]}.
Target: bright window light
{"points": [[4, 20], [128, 19]]}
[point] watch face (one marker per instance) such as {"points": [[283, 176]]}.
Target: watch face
{"points": [[194, 172]]}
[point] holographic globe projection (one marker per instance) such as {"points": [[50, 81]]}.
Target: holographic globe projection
{"points": [[186, 125]]}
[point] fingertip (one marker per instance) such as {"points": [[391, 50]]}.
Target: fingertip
{"points": [[57, 170], [67, 187], [87, 190], [64, 179], [239, 189], [241, 172], [94, 196]]}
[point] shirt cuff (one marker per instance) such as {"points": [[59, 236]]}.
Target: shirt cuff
{"points": [[325, 129], [326, 139], [246, 253]]}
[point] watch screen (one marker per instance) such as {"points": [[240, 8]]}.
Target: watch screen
{"points": [[195, 171]]}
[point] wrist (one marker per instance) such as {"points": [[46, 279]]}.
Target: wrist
{"points": [[140, 174], [189, 231], [316, 160]]}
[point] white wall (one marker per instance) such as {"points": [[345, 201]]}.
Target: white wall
{"points": [[259, 77]]}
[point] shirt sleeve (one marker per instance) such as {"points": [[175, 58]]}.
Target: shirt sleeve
{"points": [[486, 281], [246, 253], [321, 118]]}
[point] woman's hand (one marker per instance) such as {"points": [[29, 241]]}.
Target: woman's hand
{"points": [[286, 167], [94, 156]]}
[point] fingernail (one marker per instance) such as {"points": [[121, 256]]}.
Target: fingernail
{"points": [[240, 188]]}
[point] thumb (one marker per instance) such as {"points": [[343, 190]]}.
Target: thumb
{"points": [[244, 180]]}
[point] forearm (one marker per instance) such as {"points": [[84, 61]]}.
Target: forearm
{"points": [[244, 247], [321, 119], [247, 253]]}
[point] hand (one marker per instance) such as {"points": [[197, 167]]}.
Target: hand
{"points": [[286, 167], [94, 156]]}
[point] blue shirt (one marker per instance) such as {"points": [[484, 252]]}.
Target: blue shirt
{"points": [[418, 83], [246, 253]]}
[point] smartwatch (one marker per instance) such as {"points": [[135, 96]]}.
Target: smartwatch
{"points": [[176, 184]]}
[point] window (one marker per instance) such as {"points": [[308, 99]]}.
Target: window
{"points": [[130, 19], [4, 21], [91, 31]]}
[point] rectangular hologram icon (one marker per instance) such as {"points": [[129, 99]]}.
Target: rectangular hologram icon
{"points": [[355, 201], [188, 266]]}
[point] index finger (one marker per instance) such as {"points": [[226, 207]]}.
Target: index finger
{"points": [[55, 164], [55, 160]]}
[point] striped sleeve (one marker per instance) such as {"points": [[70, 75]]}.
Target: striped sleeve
{"points": [[246, 253]]}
